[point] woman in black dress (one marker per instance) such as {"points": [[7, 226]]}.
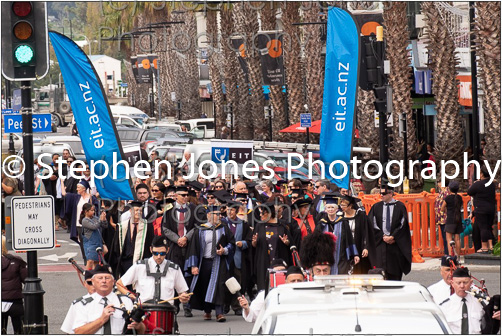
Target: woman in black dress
{"points": [[453, 206]]}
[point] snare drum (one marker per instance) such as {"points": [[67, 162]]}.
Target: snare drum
{"points": [[277, 278], [160, 319]]}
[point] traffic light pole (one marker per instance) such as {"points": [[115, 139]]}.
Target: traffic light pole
{"points": [[34, 322], [382, 115]]}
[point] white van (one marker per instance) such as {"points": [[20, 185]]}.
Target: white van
{"points": [[127, 111], [195, 125]]}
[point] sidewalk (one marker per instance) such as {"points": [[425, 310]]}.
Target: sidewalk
{"points": [[434, 263]]}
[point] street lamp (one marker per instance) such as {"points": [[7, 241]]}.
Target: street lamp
{"points": [[88, 42]]}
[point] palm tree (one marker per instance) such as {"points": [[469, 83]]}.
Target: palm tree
{"points": [[314, 68], [397, 36], [488, 49], [246, 19], [368, 137], [293, 61], [234, 78], [442, 62]]}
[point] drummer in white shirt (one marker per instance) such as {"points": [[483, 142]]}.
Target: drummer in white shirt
{"points": [[155, 278], [442, 289]]}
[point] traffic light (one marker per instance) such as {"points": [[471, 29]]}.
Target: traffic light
{"points": [[368, 74], [25, 50]]}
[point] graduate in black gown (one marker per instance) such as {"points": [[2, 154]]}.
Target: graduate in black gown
{"points": [[392, 235], [362, 232], [271, 240], [345, 251], [209, 258]]}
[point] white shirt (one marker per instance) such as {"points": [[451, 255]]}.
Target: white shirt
{"points": [[80, 204], [255, 307], [452, 310], [70, 317], [145, 285], [440, 291], [92, 311]]}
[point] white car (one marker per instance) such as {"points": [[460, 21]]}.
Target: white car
{"points": [[343, 304]]}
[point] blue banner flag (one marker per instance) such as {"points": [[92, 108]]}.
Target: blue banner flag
{"points": [[94, 119], [340, 94]]}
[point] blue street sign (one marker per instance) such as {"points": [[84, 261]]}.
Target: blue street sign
{"points": [[8, 111], [305, 120], [13, 123], [123, 84]]}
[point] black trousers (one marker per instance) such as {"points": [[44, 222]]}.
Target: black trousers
{"points": [[485, 224], [16, 313], [203, 284]]}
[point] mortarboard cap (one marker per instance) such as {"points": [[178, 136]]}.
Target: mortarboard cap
{"points": [[196, 185], [302, 202], [181, 189], [135, 203], [85, 184]]}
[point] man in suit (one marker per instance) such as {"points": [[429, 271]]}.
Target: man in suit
{"points": [[178, 225], [392, 235]]}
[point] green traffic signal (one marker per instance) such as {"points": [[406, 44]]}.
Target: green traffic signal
{"points": [[24, 54]]}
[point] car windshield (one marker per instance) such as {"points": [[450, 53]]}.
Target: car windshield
{"points": [[344, 321]]}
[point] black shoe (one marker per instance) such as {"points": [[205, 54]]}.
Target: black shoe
{"points": [[238, 312], [188, 313], [226, 309]]}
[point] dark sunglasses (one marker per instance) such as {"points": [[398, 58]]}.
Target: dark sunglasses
{"points": [[210, 197], [155, 190], [218, 187], [159, 253], [385, 193], [183, 195]]}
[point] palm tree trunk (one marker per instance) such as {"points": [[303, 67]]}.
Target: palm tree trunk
{"points": [[368, 135], [246, 19], [397, 36], [488, 49], [293, 63], [442, 62]]}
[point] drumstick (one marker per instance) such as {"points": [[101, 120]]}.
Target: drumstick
{"points": [[174, 298]]}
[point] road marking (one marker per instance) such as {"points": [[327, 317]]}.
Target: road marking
{"points": [[55, 257]]}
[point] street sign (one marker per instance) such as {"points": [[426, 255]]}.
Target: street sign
{"points": [[16, 100], [229, 119], [32, 223], [123, 84], [8, 111], [305, 119], [13, 123]]}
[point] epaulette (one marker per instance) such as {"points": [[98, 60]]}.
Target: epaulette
{"points": [[142, 261], [84, 301], [448, 299], [173, 265]]}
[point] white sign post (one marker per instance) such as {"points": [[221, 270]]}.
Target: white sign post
{"points": [[33, 223]]}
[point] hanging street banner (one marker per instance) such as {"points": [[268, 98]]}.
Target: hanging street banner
{"points": [[240, 47], [134, 65], [153, 64], [94, 119], [271, 55], [340, 94], [144, 69]]}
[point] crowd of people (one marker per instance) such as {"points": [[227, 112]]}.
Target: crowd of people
{"points": [[179, 241]]}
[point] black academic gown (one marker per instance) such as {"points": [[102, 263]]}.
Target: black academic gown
{"points": [[170, 229], [394, 258], [247, 236], [217, 292], [364, 239], [345, 249], [261, 257]]}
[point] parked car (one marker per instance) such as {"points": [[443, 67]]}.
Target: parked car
{"points": [[343, 304], [127, 111], [205, 125], [136, 135], [163, 126]]}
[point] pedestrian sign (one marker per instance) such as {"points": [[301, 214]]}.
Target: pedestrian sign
{"points": [[305, 120], [8, 111], [32, 223]]}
